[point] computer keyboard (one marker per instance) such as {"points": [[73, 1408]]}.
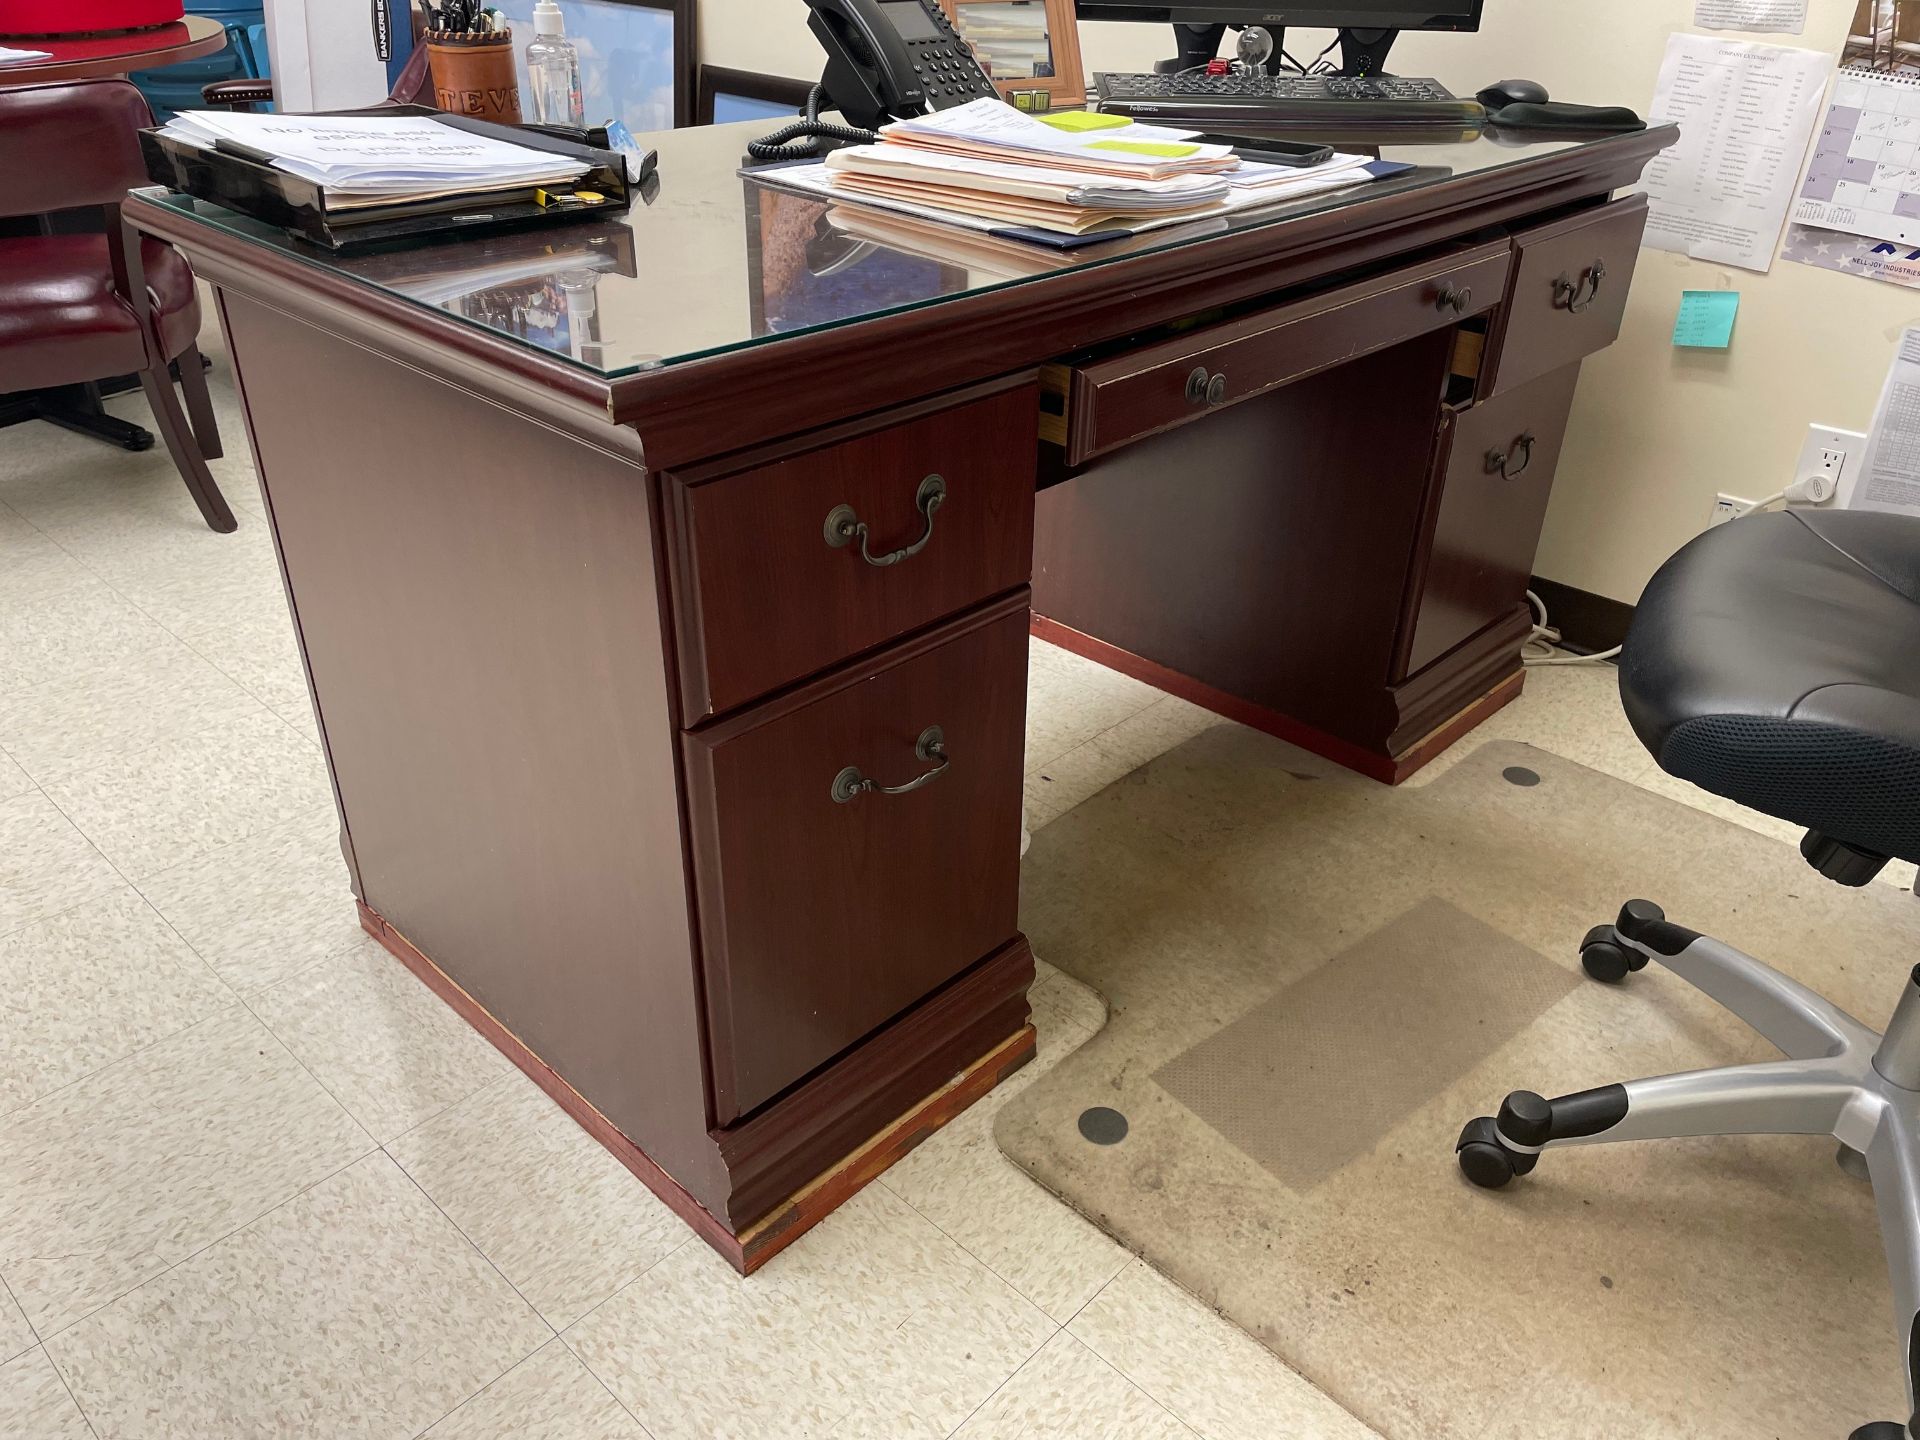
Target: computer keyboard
{"points": [[1325, 100]]}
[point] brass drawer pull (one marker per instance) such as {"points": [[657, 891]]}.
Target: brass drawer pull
{"points": [[932, 745], [843, 526], [1498, 461], [1205, 389], [1575, 296], [1453, 298]]}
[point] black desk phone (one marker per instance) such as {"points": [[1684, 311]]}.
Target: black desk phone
{"points": [[887, 59]]}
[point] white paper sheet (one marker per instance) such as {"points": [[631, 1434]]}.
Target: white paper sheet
{"points": [[1891, 478], [21, 57], [1778, 17], [1746, 113]]}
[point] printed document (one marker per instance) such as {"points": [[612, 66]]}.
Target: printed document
{"points": [[1746, 113], [1891, 479], [1779, 17]]}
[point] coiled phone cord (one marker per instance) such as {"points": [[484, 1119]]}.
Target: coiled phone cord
{"points": [[777, 147]]}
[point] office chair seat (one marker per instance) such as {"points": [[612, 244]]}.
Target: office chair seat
{"points": [[62, 321], [1776, 661]]}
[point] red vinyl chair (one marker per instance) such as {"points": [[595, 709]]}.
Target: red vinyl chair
{"points": [[80, 308]]}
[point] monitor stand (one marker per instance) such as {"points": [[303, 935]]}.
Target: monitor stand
{"points": [[1364, 52]]}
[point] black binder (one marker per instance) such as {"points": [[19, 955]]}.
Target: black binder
{"points": [[237, 180]]}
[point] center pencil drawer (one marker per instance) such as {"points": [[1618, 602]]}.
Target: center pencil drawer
{"points": [[856, 845], [1137, 393], [784, 568]]}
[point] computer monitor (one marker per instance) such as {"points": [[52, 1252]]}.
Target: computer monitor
{"points": [[1275, 14]]}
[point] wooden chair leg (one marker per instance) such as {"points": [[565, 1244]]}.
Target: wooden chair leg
{"points": [[193, 381], [171, 421]]}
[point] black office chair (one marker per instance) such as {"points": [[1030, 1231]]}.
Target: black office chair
{"points": [[1776, 661]]}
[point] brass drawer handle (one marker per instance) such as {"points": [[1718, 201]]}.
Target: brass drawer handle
{"points": [[932, 745], [843, 526], [1205, 389], [1498, 461], [1453, 298], [1575, 296]]}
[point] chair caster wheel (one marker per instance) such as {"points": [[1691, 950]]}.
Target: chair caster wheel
{"points": [[1604, 958], [1484, 1160]]}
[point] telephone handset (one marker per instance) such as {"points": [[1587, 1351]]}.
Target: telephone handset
{"points": [[887, 59]]}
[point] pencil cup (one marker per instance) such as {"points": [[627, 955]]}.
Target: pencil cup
{"points": [[473, 74]]}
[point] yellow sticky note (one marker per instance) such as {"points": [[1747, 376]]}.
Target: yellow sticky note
{"points": [[1159, 149], [1075, 121]]}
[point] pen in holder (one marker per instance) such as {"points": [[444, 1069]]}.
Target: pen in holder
{"points": [[473, 74]]}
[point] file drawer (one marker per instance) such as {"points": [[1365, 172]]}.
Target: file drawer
{"points": [[1570, 283], [1116, 400], [1499, 459], [785, 568], [856, 844]]}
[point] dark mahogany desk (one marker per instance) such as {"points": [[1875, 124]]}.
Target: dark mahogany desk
{"points": [[608, 689]]}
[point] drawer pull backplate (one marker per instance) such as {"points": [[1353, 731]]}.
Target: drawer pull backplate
{"points": [[932, 745], [843, 526], [1576, 295]]}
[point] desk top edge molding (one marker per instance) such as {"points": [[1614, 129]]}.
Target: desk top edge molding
{"points": [[746, 394]]}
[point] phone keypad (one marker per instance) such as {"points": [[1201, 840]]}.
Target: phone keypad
{"points": [[946, 69]]}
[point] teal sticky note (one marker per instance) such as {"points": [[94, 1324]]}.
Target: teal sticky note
{"points": [[1705, 321]]}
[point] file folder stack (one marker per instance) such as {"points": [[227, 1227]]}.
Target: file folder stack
{"points": [[987, 165]]}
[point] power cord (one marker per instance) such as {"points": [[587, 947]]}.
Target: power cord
{"points": [[1537, 648], [777, 147]]}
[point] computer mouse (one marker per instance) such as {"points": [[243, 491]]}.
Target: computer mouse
{"points": [[1512, 92]]}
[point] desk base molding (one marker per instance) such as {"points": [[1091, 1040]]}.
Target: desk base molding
{"points": [[759, 1242], [1388, 769]]}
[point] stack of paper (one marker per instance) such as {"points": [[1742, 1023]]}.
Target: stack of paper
{"points": [[987, 165], [364, 159]]}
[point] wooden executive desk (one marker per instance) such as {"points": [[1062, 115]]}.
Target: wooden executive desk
{"points": [[603, 675]]}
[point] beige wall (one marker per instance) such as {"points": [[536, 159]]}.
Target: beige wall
{"points": [[1656, 432]]}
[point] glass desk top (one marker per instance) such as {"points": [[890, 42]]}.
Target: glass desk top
{"points": [[712, 261]]}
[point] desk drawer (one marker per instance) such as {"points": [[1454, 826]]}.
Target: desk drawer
{"points": [[1499, 457], [1569, 291], [824, 912], [1115, 401], [763, 595]]}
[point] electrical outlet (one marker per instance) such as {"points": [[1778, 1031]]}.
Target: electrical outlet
{"points": [[1726, 507], [1829, 461]]}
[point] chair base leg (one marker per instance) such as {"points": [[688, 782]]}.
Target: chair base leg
{"points": [[76, 408], [1840, 1078]]}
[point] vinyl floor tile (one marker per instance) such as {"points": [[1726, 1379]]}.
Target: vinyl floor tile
{"points": [[874, 1322], [46, 866], [32, 565], [1212, 1375], [172, 803], [111, 1180], [80, 721], [34, 1403], [386, 1046], [1070, 700], [13, 780], [80, 990], [549, 1396], [262, 909], [355, 1311], [76, 630], [16, 1336], [1067, 1392], [565, 1221]]}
